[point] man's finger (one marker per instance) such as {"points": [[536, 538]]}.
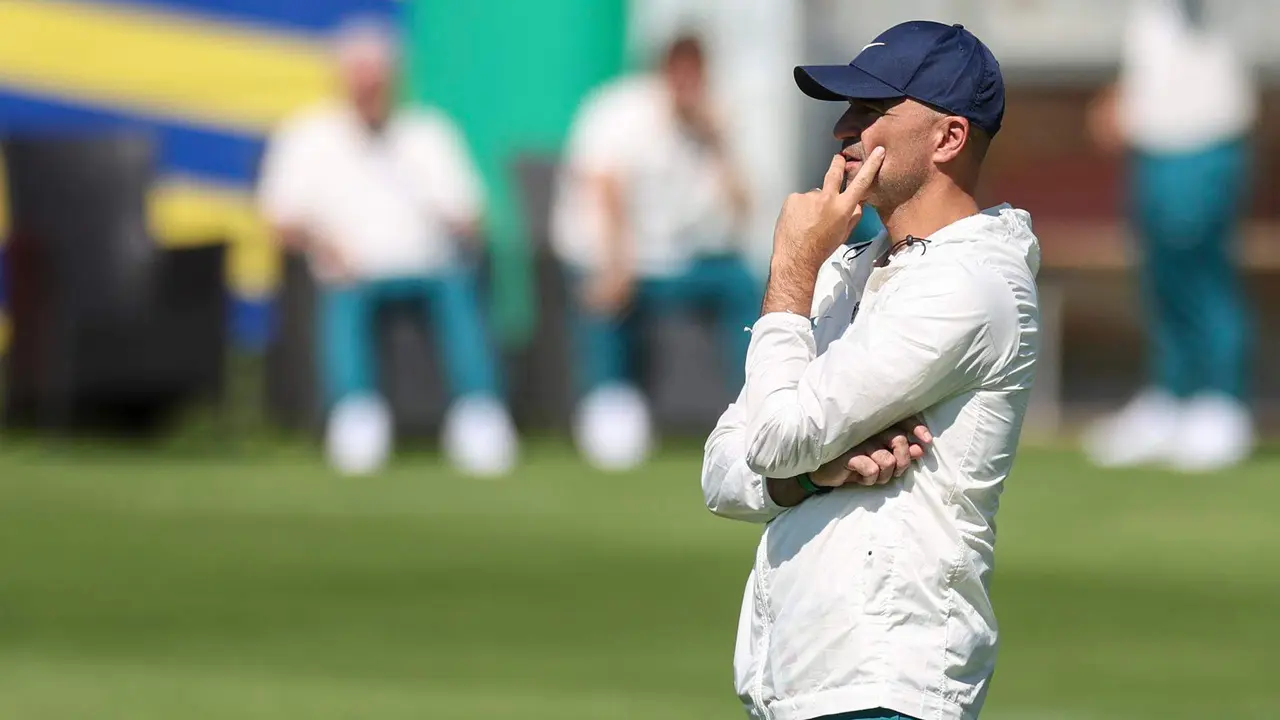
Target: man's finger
{"points": [[856, 192], [887, 464], [901, 454], [914, 426], [917, 451], [896, 442], [835, 175], [834, 473], [866, 469]]}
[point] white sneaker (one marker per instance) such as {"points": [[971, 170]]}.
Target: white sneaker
{"points": [[479, 437], [1144, 431], [612, 428], [1216, 433], [358, 435]]}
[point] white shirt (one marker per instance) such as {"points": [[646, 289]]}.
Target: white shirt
{"points": [[1182, 88], [385, 201], [675, 204], [878, 597]]}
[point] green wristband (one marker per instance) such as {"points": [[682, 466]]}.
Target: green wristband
{"points": [[807, 484]]}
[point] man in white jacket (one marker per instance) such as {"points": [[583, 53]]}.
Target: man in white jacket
{"points": [[872, 601]]}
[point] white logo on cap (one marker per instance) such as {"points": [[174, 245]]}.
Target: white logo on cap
{"points": [[871, 45]]}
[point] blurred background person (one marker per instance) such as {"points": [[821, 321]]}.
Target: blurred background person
{"points": [[647, 218], [386, 203], [1183, 108]]}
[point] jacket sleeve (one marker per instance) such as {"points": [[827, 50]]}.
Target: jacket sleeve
{"points": [[925, 339], [729, 487]]}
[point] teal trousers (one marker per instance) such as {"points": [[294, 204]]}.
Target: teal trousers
{"points": [[346, 333], [603, 344], [1186, 208]]}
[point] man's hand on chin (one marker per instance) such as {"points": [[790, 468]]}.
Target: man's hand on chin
{"points": [[810, 227]]}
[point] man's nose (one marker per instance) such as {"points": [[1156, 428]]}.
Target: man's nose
{"points": [[847, 131], [848, 127]]}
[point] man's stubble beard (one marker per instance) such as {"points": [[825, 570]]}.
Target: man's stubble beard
{"points": [[877, 196], [885, 194]]}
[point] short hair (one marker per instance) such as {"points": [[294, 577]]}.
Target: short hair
{"points": [[360, 32]]}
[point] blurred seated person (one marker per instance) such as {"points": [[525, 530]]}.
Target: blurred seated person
{"points": [[646, 219], [385, 203]]}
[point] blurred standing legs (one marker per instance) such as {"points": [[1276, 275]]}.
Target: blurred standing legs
{"points": [[1194, 415]]}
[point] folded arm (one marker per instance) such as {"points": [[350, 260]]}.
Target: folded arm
{"points": [[729, 487], [925, 340], [732, 490]]}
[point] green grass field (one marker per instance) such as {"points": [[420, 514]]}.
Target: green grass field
{"points": [[161, 585]]}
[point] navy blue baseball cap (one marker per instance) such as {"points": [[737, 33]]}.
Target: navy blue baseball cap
{"points": [[945, 66]]}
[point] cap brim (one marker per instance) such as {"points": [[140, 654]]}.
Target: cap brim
{"points": [[842, 82]]}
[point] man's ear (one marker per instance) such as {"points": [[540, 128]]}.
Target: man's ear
{"points": [[952, 137]]}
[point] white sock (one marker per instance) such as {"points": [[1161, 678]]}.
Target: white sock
{"points": [[1215, 433], [612, 428], [1141, 432], [479, 437], [359, 435]]}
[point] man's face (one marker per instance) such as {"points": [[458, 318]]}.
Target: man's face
{"points": [[369, 73], [905, 129], [687, 80]]}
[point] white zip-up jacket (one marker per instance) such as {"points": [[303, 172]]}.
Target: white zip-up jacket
{"points": [[878, 597]]}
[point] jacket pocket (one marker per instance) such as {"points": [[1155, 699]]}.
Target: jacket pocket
{"points": [[877, 574]]}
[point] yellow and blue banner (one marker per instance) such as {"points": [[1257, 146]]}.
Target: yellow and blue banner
{"points": [[208, 78]]}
